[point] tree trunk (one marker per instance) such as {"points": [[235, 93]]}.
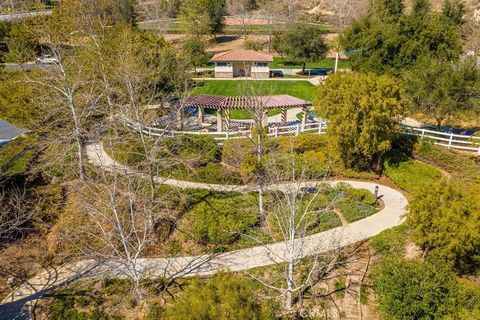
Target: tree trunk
{"points": [[304, 67], [260, 177], [78, 139]]}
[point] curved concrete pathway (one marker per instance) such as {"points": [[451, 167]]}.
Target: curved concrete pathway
{"points": [[390, 216]]}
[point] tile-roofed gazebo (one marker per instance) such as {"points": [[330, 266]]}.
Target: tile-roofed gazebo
{"points": [[242, 63], [9, 132], [225, 104]]}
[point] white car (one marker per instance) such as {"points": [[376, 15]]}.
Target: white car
{"points": [[47, 60]]}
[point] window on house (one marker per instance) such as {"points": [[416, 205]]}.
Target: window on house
{"points": [[222, 64], [262, 64]]}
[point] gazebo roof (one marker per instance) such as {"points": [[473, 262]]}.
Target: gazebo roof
{"points": [[9, 132], [242, 56], [248, 103]]}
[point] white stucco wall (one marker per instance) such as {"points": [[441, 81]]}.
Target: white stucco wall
{"points": [[256, 68], [222, 69]]}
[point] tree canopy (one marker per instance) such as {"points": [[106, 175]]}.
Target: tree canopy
{"points": [[445, 221], [388, 40], [362, 112], [302, 42], [201, 17], [441, 89], [421, 290]]}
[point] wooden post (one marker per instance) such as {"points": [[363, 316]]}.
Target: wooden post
{"points": [[276, 132], [227, 120], [265, 118], [304, 118], [450, 140], [298, 130], [284, 117], [201, 115], [219, 120], [320, 127]]}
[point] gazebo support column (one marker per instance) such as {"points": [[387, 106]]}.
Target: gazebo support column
{"points": [[219, 120], [227, 120], [180, 117], [265, 118], [201, 116], [284, 117], [304, 118]]}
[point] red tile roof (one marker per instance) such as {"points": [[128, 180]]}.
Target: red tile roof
{"points": [[242, 56]]}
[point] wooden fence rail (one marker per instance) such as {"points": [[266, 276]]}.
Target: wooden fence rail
{"points": [[443, 139]]}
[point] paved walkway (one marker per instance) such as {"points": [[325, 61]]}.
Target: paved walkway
{"points": [[313, 80], [390, 216]]}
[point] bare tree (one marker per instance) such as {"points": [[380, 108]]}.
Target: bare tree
{"points": [[472, 35], [14, 214], [240, 8], [293, 210], [67, 86], [254, 94], [118, 219]]}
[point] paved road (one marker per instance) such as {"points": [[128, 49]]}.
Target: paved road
{"points": [[390, 216], [29, 66], [18, 16], [314, 80]]}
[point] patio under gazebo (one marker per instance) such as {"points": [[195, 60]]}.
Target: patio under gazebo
{"points": [[223, 105]]}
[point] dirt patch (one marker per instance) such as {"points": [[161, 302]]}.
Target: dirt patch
{"points": [[341, 217], [412, 251]]}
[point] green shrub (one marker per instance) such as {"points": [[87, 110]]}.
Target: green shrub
{"points": [[155, 312], [445, 218], [203, 147], [116, 286], [409, 174], [217, 173], [362, 195], [59, 161], [128, 153], [234, 151], [253, 45], [326, 220], [391, 241], [303, 143], [415, 289], [64, 307], [15, 157], [223, 297], [354, 210], [220, 221]]}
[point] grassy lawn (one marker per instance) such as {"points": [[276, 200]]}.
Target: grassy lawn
{"points": [[327, 63], [410, 174], [244, 114], [300, 89], [15, 158]]}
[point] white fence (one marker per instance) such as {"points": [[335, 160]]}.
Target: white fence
{"points": [[318, 128], [448, 140]]}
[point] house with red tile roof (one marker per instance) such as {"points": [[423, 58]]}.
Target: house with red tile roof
{"points": [[242, 63]]}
